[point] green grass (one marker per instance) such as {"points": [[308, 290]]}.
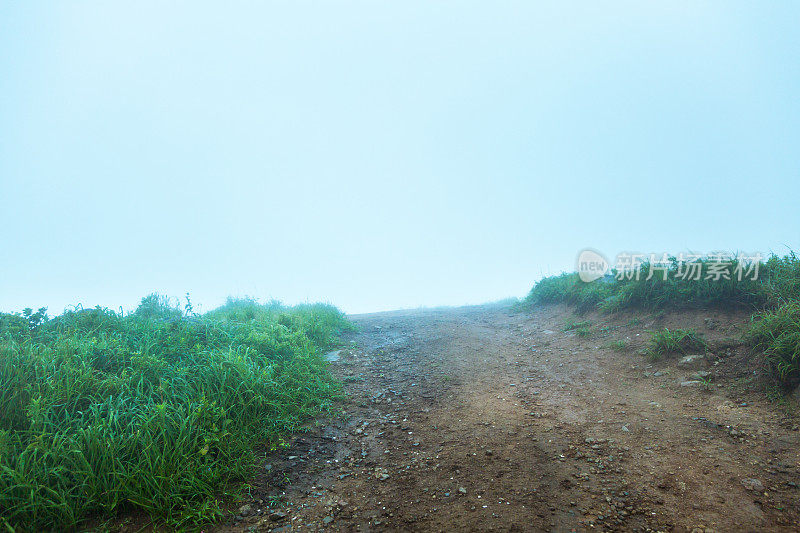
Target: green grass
{"points": [[774, 297], [571, 325], [160, 410], [617, 345], [778, 283], [568, 289], [581, 328], [681, 341], [777, 334]]}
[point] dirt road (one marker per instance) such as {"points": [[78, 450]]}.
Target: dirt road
{"points": [[482, 419]]}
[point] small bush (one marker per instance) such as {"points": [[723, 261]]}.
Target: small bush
{"points": [[681, 341]]}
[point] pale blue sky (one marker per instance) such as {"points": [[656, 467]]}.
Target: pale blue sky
{"points": [[381, 155]]}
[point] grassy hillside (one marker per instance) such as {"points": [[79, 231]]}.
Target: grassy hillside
{"points": [[159, 410], [774, 298]]}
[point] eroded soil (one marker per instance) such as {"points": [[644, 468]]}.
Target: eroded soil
{"points": [[483, 419]]}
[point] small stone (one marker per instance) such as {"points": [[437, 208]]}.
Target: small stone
{"points": [[753, 484], [276, 516], [327, 520], [462, 490], [693, 361], [245, 509], [691, 383]]}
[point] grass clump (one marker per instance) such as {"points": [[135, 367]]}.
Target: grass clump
{"points": [[571, 325], [777, 334], [681, 341], [581, 328], [617, 345], [158, 410]]}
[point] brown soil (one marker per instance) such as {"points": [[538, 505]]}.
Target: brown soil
{"points": [[483, 419]]}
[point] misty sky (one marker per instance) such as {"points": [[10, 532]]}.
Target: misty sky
{"points": [[382, 155]]}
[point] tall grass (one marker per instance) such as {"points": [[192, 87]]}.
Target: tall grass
{"points": [[569, 289], [778, 282], [158, 411], [776, 332]]}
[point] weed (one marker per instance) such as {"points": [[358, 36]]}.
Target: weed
{"points": [[571, 325], [777, 334], [617, 345], [681, 341]]}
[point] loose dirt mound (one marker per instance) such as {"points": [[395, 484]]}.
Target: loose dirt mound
{"points": [[481, 419]]}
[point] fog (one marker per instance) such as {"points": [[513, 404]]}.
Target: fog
{"points": [[383, 155]]}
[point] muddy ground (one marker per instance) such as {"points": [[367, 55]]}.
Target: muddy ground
{"points": [[484, 419]]}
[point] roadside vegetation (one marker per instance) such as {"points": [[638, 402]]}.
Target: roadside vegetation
{"points": [[773, 297], [618, 345], [162, 410], [680, 341], [776, 333], [572, 325]]}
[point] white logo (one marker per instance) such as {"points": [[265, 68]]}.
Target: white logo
{"points": [[591, 265]]}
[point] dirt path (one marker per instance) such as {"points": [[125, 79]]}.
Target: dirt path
{"points": [[480, 419]]}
